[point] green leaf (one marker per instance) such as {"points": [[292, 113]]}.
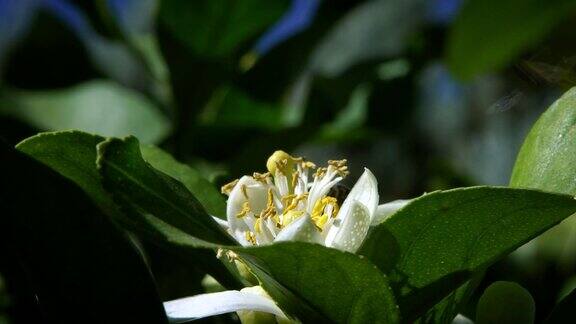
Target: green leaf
{"points": [[151, 198], [505, 302], [565, 309], [99, 107], [488, 34], [78, 265], [73, 155], [231, 107], [372, 30], [547, 159], [445, 311], [438, 241], [218, 27], [339, 286], [212, 200]]}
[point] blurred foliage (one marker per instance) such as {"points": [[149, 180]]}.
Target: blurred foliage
{"points": [[220, 84]]}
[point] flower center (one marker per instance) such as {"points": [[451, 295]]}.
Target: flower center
{"points": [[289, 195]]}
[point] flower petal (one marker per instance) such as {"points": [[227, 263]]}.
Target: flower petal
{"points": [[221, 222], [349, 234], [461, 319], [386, 210], [302, 229], [365, 191], [204, 305], [257, 198]]}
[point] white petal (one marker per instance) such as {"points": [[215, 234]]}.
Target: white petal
{"points": [[386, 210], [204, 305], [257, 194], [365, 191], [221, 222], [302, 229], [461, 319], [349, 234], [264, 236]]}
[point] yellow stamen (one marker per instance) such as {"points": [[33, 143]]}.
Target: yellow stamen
{"points": [[270, 210], [340, 166], [258, 225], [245, 210], [319, 214], [320, 172], [289, 217], [261, 177], [308, 165], [287, 200], [227, 188], [295, 177], [250, 237]]}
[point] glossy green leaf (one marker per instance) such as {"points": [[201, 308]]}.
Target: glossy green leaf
{"points": [[73, 155], [99, 107], [547, 159], [505, 302], [152, 198], [78, 265], [218, 27], [438, 241], [488, 34], [565, 309], [211, 198], [340, 287]]}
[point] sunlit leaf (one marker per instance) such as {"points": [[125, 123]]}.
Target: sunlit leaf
{"points": [[151, 198], [99, 107], [212, 200], [547, 159], [438, 241], [339, 286]]}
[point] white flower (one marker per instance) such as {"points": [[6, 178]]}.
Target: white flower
{"points": [[288, 203], [252, 304]]}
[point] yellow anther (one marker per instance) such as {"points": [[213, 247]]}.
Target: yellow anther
{"points": [[290, 202], [227, 188], [258, 225], [245, 210], [250, 237], [289, 216], [308, 165], [320, 221], [319, 211], [270, 209], [295, 177], [261, 177], [320, 172], [287, 200], [340, 166]]}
